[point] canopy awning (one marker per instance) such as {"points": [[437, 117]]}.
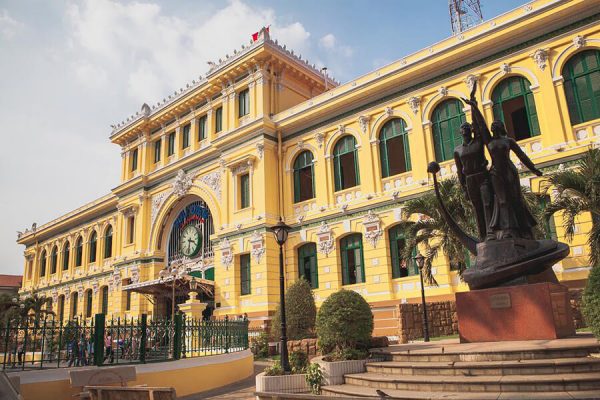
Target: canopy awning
{"points": [[159, 286]]}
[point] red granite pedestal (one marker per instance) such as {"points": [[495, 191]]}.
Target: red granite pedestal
{"points": [[525, 312]]}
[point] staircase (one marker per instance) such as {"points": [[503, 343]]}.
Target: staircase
{"points": [[557, 369]]}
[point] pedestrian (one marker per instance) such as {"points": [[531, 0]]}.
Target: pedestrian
{"points": [[20, 352], [108, 348], [72, 351], [82, 347]]}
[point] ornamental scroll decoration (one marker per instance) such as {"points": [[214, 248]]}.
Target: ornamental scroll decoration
{"points": [[257, 246], [213, 181], [54, 296], [135, 274], [183, 183], [226, 253], [325, 243], [372, 224]]}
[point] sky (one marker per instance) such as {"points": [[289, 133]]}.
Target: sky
{"points": [[70, 69]]}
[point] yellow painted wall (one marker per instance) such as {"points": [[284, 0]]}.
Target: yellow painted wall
{"points": [[290, 112], [186, 381]]}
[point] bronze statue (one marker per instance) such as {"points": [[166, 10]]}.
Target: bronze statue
{"points": [[510, 217], [506, 252], [473, 175]]}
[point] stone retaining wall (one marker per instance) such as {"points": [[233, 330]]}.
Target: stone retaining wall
{"points": [[441, 317], [575, 298]]}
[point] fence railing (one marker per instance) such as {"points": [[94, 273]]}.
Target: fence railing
{"points": [[49, 343]]}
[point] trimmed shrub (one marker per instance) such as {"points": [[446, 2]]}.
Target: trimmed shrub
{"points": [[274, 369], [260, 345], [300, 313], [591, 301], [344, 324], [298, 362]]}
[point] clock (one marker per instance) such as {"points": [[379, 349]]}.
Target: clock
{"points": [[190, 241]]}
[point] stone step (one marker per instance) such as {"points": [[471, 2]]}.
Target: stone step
{"points": [[366, 392], [441, 355], [471, 368], [498, 383]]}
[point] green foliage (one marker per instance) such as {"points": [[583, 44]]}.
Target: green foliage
{"points": [[344, 322], [260, 345], [300, 312], [347, 354], [298, 361], [578, 191], [314, 378], [274, 369], [591, 301], [431, 230]]}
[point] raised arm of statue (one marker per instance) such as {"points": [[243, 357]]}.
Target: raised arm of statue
{"points": [[523, 157]]}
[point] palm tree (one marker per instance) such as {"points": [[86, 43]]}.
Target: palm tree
{"points": [[578, 191], [433, 233], [36, 303], [431, 230]]}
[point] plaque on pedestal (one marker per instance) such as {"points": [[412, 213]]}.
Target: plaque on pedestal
{"points": [[525, 312]]}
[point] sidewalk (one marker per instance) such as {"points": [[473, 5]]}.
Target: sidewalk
{"points": [[242, 390]]}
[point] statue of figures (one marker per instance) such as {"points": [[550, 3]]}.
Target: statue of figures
{"points": [[510, 217], [506, 252], [471, 166]]}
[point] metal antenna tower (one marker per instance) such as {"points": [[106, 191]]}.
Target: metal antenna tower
{"points": [[464, 14]]}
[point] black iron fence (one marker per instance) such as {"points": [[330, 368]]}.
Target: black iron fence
{"points": [[50, 343]]}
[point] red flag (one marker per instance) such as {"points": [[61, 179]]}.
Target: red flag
{"points": [[255, 34]]}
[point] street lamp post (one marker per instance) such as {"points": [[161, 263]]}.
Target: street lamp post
{"points": [[281, 231], [420, 260]]}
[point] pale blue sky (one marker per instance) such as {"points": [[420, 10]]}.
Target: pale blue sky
{"points": [[70, 69]]}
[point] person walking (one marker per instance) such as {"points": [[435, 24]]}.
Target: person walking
{"points": [[108, 348]]}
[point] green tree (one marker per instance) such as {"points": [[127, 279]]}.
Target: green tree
{"points": [[430, 229], [591, 301], [344, 324], [38, 304], [300, 312], [578, 191]]}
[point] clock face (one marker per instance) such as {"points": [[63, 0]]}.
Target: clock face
{"points": [[190, 241]]}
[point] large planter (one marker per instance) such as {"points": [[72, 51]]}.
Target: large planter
{"points": [[282, 383], [333, 372]]}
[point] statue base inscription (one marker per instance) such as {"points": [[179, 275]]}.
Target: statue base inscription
{"points": [[524, 312]]}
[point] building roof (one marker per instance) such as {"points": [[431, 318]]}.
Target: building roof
{"points": [[11, 280]]}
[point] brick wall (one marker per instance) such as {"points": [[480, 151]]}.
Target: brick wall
{"points": [[441, 316], [575, 298]]}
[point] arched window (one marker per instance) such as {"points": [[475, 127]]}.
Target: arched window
{"points": [[61, 307], [394, 152], [66, 255], [78, 251], [74, 301], [307, 264], [353, 265], [446, 120], [53, 260], [304, 177], [514, 105], [104, 303], [345, 163], [582, 86], [43, 264], [401, 267], [89, 301], [93, 247], [108, 239]]}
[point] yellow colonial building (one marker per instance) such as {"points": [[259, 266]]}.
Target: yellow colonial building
{"points": [[206, 171]]}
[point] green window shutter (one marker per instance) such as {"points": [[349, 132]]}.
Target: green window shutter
{"points": [[171, 144], [202, 128], [512, 88], [157, 148], [446, 120], [351, 249], [108, 243], [89, 302], [307, 264], [385, 169], [93, 240], [534, 123], [219, 119], [79, 252], [43, 264], [105, 300], [244, 191], [303, 166], [134, 159], [186, 136], [345, 277], [582, 86], [344, 147], [245, 275], [337, 173], [243, 103], [66, 253]]}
